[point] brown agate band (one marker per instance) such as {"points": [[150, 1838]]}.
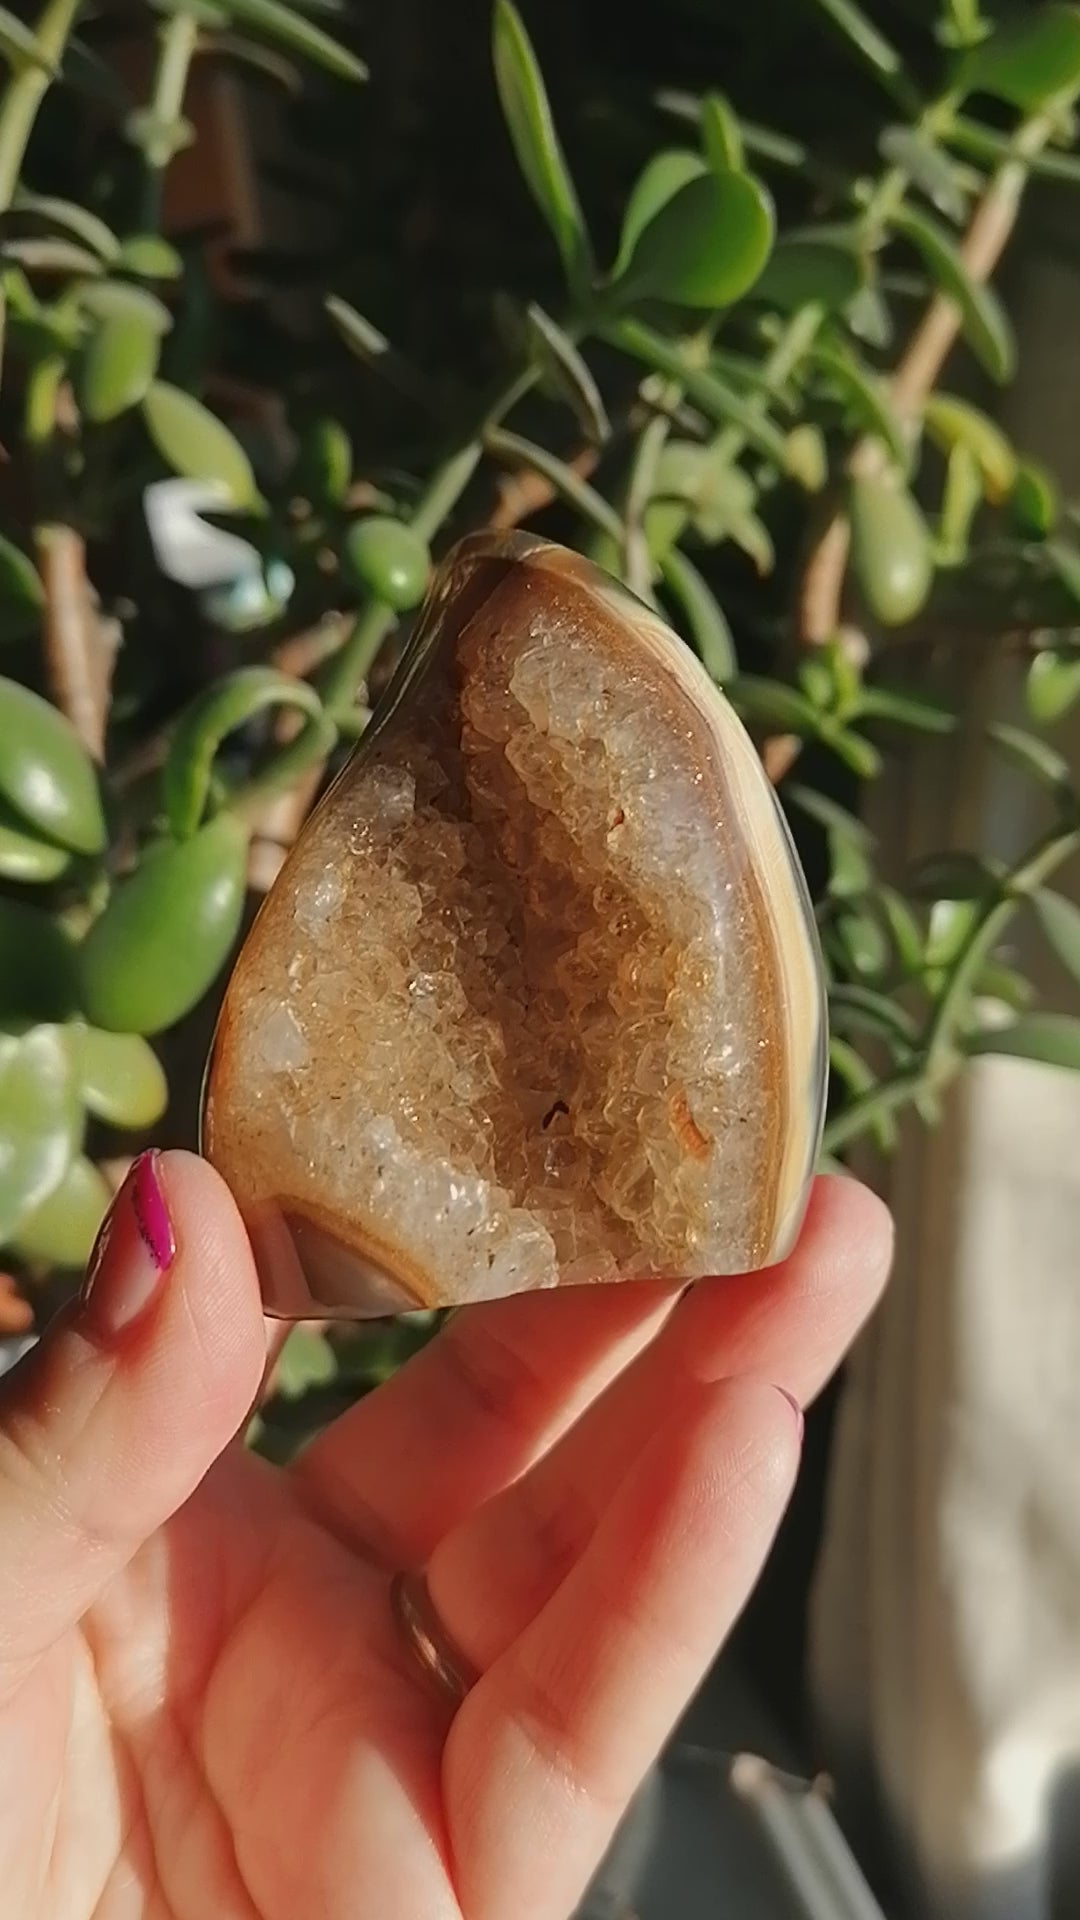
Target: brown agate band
{"points": [[427, 1639]]}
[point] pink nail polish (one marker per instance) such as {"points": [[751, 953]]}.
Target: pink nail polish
{"points": [[134, 1249], [795, 1408]]}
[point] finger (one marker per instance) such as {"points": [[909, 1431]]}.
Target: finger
{"points": [[792, 1324], [469, 1412], [111, 1422], [547, 1749]]}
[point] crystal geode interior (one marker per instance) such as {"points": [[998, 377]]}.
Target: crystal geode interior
{"points": [[536, 998]]}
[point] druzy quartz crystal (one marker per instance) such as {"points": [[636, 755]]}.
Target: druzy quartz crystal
{"points": [[536, 999]]}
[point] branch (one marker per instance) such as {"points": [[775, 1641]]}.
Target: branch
{"points": [[80, 645], [983, 245]]}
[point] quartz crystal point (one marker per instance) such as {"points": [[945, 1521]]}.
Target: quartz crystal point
{"points": [[536, 998]]}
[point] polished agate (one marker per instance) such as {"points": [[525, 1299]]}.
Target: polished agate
{"points": [[536, 999]]}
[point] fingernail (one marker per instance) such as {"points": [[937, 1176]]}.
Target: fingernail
{"points": [[134, 1249], [795, 1408]]}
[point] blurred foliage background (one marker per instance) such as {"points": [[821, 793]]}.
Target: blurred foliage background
{"points": [[725, 305]]}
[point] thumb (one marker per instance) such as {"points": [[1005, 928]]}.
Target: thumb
{"points": [[113, 1419]]}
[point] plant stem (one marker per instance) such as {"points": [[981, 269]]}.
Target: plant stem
{"points": [[939, 1040], [353, 661], [940, 1057], [25, 91], [178, 41], [987, 236]]}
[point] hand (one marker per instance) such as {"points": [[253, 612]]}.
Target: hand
{"points": [[205, 1706]]}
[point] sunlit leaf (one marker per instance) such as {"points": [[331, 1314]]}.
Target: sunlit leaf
{"points": [[40, 1120], [890, 549], [952, 422], [706, 245], [70, 218], [1034, 500], [985, 323], [1029, 61], [1052, 686], [1060, 921], [961, 498], [567, 372], [292, 29], [1034, 756], [702, 616], [906, 709], [866, 396], [195, 443], [532, 131], [660, 181], [720, 134]]}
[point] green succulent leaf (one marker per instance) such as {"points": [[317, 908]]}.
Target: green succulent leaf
{"points": [[307, 1360], [867, 40], [70, 218], [289, 27], [906, 710], [955, 876], [24, 856], [721, 135], [663, 177], [961, 498], [866, 396], [148, 257], [1034, 500], [193, 442], [859, 1010], [713, 395], [1052, 687], [1051, 1038], [1033, 756], [1029, 61], [1060, 922], [527, 112], [46, 774], [952, 422], [702, 616], [59, 1232], [223, 706], [22, 595], [985, 323], [932, 170], [773, 705], [121, 1080], [566, 372], [324, 466], [166, 931], [823, 266], [117, 364], [891, 550], [40, 1121], [52, 256], [387, 558], [706, 245]]}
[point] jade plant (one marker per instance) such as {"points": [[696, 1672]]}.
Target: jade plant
{"points": [[775, 429]]}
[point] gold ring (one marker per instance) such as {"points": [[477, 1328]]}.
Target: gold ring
{"points": [[426, 1637]]}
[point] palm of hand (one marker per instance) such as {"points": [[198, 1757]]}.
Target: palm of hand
{"points": [[233, 1726], [233, 1731]]}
